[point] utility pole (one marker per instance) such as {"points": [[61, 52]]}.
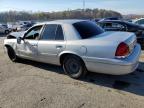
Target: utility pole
{"points": [[83, 5], [83, 9]]}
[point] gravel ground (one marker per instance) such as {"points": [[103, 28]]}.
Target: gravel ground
{"points": [[30, 84]]}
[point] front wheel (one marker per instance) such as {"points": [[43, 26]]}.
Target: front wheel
{"points": [[74, 67], [11, 54], [7, 32]]}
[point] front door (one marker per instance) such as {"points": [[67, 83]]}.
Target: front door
{"points": [[28, 48]]}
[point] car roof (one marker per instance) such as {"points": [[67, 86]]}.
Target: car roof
{"points": [[120, 21], [69, 21], [139, 19], [135, 20]]}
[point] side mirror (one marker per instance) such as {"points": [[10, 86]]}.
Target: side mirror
{"points": [[19, 40]]}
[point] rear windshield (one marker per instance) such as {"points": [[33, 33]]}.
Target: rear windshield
{"points": [[87, 29]]}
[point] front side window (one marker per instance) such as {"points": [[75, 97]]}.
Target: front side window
{"points": [[87, 29], [53, 32], [108, 25], [33, 33], [116, 25]]}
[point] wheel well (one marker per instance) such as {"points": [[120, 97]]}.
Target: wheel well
{"points": [[68, 54], [6, 30], [8, 46]]}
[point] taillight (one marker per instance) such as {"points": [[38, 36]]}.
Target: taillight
{"points": [[122, 50]]}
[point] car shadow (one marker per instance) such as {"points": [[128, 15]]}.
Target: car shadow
{"points": [[133, 83]]}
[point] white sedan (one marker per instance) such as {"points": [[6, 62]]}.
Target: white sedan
{"points": [[77, 45], [4, 29]]}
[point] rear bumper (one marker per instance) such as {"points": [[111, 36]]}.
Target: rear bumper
{"points": [[115, 66]]}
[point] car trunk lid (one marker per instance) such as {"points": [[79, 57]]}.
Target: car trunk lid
{"points": [[119, 37]]}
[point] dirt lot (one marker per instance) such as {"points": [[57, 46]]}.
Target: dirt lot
{"points": [[29, 84]]}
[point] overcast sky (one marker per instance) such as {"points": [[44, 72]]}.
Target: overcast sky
{"points": [[122, 6]]}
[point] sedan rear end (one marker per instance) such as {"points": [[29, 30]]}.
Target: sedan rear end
{"points": [[113, 53], [119, 56]]}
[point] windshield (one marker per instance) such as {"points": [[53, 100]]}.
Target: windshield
{"points": [[87, 29]]}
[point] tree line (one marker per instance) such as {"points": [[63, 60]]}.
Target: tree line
{"points": [[13, 16]]}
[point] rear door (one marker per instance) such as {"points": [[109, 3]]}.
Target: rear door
{"points": [[52, 42]]}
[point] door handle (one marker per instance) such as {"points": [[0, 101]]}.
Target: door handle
{"points": [[59, 46], [34, 44]]}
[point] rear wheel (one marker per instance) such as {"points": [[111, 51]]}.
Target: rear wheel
{"points": [[74, 67], [6, 32], [11, 54]]}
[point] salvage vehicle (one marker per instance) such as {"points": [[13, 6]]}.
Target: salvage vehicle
{"points": [[118, 25], [77, 45], [4, 29]]}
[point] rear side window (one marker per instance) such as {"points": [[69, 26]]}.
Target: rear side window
{"points": [[53, 32], [87, 29], [59, 33]]}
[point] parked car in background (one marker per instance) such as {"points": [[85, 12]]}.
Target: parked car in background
{"points": [[22, 25], [96, 19], [4, 29], [110, 18], [24, 22], [139, 21], [78, 46], [127, 19], [118, 25], [4, 25]]}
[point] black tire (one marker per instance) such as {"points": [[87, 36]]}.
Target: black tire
{"points": [[6, 32], [11, 54], [74, 67]]}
